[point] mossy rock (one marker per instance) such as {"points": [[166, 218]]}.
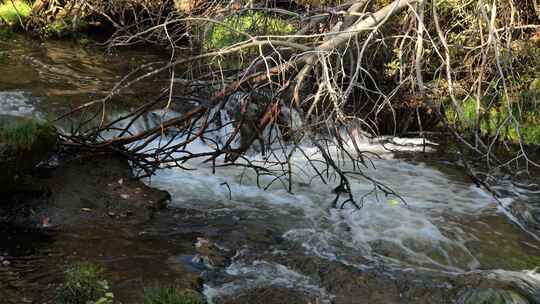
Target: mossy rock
{"points": [[24, 143]]}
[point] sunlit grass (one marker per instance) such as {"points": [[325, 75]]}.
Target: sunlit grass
{"points": [[232, 29], [10, 11]]}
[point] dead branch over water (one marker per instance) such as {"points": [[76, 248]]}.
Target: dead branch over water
{"points": [[349, 68]]}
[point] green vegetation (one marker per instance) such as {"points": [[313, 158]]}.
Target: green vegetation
{"points": [[235, 29], [84, 285], [24, 134], [494, 113], [64, 28], [21, 135], [171, 295], [10, 11], [505, 111], [6, 32]]}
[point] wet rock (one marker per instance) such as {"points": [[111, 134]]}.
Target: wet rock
{"points": [[209, 254], [24, 143], [526, 283], [87, 190], [528, 214], [492, 296]]}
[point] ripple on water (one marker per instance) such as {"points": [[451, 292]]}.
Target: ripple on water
{"points": [[262, 273]]}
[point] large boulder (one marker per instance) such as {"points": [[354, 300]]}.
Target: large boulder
{"points": [[24, 143]]}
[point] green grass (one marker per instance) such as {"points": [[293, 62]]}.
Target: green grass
{"points": [[84, 285], [525, 107], [171, 295], [234, 28], [20, 136], [10, 11], [27, 134]]}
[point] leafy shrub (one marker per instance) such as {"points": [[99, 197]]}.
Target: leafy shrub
{"points": [[10, 11], [83, 285], [171, 295], [233, 29], [64, 28]]}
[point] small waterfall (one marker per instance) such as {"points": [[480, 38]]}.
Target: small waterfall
{"points": [[16, 103], [446, 226]]}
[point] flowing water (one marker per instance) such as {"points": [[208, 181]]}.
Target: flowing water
{"points": [[294, 245]]}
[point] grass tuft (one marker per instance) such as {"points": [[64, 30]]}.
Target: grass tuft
{"points": [[83, 285], [21, 136]]}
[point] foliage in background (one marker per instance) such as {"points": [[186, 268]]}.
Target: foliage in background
{"points": [[11, 11], [496, 109], [84, 285], [234, 28]]}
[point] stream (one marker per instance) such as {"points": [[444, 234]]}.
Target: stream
{"points": [[452, 242]]}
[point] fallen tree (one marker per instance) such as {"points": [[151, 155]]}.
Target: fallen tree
{"points": [[381, 67]]}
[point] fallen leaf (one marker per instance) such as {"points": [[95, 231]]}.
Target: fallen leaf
{"points": [[392, 202]]}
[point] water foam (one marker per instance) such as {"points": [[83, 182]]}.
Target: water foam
{"points": [[423, 231], [263, 274], [417, 234], [15, 103]]}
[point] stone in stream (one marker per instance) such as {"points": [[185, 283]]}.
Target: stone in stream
{"points": [[528, 214], [492, 296], [24, 143]]}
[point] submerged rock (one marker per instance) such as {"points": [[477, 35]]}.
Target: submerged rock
{"points": [[24, 143], [492, 296], [528, 214], [209, 254]]}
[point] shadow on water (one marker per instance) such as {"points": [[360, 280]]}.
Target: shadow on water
{"points": [[35, 261]]}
